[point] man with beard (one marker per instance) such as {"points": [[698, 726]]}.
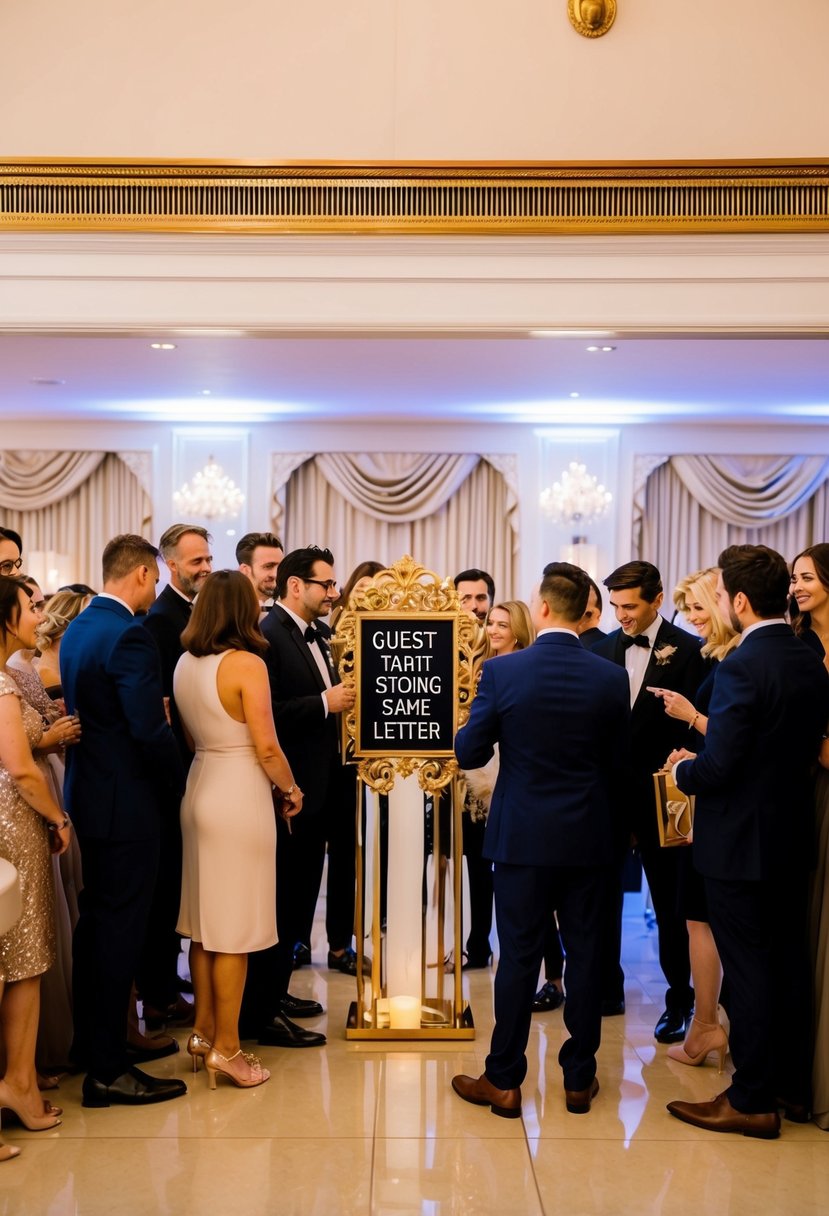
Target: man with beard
{"points": [[259, 555], [476, 592], [754, 843], [185, 550]]}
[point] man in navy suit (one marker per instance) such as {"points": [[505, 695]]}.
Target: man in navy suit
{"points": [[119, 780], [753, 843], [186, 552], [651, 651], [561, 718]]}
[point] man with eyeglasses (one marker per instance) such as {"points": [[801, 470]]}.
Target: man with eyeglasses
{"points": [[307, 697], [11, 547]]}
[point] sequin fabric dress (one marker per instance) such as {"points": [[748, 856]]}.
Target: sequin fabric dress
{"points": [[28, 949]]}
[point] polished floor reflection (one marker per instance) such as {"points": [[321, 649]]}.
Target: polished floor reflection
{"points": [[357, 1128]]}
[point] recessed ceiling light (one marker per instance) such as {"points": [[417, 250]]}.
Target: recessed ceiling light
{"points": [[608, 348], [163, 345], [592, 348], [44, 380], [575, 394], [205, 392]]}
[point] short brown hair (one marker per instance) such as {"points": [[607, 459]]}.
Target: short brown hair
{"points": [[225, 617], [255, 540], [124, 553]]}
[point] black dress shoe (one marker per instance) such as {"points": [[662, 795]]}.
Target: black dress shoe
{"points": [[347, 962], [179, 1013], [612, 1009], [302, 955], [141, 1055], [548, 997], [281, 1032], [673, 1025], [295, 1007], [132, 1088]]}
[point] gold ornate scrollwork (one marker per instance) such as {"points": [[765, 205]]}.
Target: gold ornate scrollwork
{"points": [[406, 588], [591, 18]]}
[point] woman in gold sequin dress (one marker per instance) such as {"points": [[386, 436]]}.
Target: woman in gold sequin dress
{"points": [[31, 826]]}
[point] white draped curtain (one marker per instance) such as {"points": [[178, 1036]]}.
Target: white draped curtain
{"points": [[692, 507], [73, 503], [448, 511]]}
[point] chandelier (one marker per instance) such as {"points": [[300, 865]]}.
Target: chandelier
{"points": [[576, 498], [211, 495]]}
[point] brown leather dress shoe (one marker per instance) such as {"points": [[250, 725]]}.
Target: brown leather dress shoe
{"points": [[720, 1116], [578, 1100], [481, 1091]]}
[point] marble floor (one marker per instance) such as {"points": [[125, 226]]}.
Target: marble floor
{"points": [[359, 1128]]}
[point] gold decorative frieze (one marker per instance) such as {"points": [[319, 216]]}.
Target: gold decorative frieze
{"points": [[410, 199]]}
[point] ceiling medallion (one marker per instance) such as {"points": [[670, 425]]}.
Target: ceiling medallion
{"points": [[591, 18]]}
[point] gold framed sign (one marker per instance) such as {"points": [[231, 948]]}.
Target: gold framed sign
{"points": [[410, 654]]}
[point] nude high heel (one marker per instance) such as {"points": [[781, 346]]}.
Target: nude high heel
{"points": [[8, 1151], [38, 1123], [233, 1068], [713, 1038], [198, 1048]]}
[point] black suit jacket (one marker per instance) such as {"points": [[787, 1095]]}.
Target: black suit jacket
{"points": [[306, 734], [654, 734], [166, 621], [754, 812]]}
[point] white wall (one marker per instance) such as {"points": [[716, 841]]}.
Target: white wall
{"points": [[393, 79]]}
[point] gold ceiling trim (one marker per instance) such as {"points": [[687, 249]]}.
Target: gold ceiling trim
{"points": [[401, 199]]}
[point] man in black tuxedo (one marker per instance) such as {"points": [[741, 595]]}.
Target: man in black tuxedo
{"points": [[121, 779], [653, 652], [186, 552], [754, 843], [561, 718], [307, 697]]}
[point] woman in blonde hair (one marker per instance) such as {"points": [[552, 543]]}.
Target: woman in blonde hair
{"points": [[695, 597], [62, 608]]}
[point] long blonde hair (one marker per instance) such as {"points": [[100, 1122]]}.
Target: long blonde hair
{"points": [[520, 622], [701, 586], [59, 612]]}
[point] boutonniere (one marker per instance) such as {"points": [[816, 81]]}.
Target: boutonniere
{"points": [[664, 655]]}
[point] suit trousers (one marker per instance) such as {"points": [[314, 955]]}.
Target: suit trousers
{"points": [[118, 878], [300, 856], [760, 929], [341, 886], [157, 976], [479, 870], [526, 898]]}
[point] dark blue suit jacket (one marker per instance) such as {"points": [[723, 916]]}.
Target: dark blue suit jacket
{"points": [[127, 759], [754, 811], [561, 718]]}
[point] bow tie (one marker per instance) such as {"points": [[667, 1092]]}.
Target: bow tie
{"points": [[639, 640], [311, 635]]}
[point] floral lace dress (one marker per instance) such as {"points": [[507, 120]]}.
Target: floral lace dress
{"points": [[28, 949]]}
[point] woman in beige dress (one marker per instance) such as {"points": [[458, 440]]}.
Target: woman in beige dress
{"points": [[228, 893], [31, 826]]}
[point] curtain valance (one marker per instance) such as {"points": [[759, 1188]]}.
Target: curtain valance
{"points": [[749, 491], [30, 480], [396, 485]]}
